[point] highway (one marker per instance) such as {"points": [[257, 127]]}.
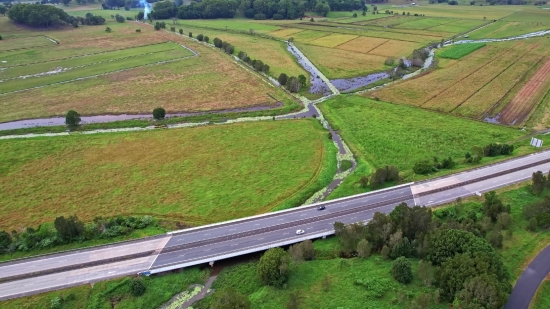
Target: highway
{"points": [[237, 237]]}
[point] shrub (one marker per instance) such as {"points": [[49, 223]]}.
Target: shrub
{"points": [[72, 118], [273, 267], [181, 31], [190, 34], [129, 18], [55, 303], [200, 37], [390, 61], [138, 30], [108, 30], [159, 113], [206, 39], [423, 167], [401, 270], [282, 79], [137, 288]]}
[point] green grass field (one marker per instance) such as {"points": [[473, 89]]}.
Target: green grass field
{"points": [[459, 51], [17, 43], [387, 134], [228, 24], [107, 294], [196, 175], [542, 299]]}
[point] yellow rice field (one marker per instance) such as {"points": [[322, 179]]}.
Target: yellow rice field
{"points": [[394, 48], [362, 44], [285, 33], [333, 40]]}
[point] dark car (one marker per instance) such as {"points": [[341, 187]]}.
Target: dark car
{"points": [[321, 208]]}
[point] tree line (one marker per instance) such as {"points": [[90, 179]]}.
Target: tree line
{"points": [[257, 9], [39, 15]]}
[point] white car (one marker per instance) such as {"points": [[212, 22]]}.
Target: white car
{"points": [[300, 232]]}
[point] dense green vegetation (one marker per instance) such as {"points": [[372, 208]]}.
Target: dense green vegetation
{"points": [[460, 50]]}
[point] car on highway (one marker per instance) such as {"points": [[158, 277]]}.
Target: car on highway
{"points": [[300, 232], [321, 208]]}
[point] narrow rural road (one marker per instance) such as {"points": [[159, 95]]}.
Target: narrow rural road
{"points": [[529, 281]]}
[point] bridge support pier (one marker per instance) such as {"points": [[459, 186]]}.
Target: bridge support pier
{"points": [[211, 264]]}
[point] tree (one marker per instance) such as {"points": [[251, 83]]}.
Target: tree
{"points": [[140, 16], [38, 15], [504, 220], [385, 252], [401, 270], [273, 267], [137, 288], [483, 292], [492, 205], [229, 298], [282, 79], [363, 249], [322, 9], [72, 118], [302, 79], [425, 272], [206, 39], [200, 37], [539, 182], [495, 238], [159, 113], [190, 34], [423, 167], [5, 241], [70, 228], [293, 84], [181, 31]]}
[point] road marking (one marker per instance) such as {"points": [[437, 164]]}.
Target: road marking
{"points": [[206, 249], [233, 245], [231, 229], [181, 255], [259, 238], [286, 233], [207, 234]]}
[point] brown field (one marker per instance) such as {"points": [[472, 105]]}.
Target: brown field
{"points": [[333, 40], [517, 110], [212, 81], [448, 99], [336, 63], [494, 93]]}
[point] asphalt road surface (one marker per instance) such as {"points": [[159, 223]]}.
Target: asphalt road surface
{"points": [[529, 281], [237, 237]]}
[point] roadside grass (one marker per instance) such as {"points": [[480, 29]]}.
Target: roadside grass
{"points": [[542, 298], [107, 294], [386, 134], [460, 50], [17, 43], [336, 63], [180, 174], [306, 279]]}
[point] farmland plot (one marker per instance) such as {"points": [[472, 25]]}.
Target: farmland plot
{"points": [[517, 110], [497, 89], [464, 88], [396, 49], [459, 26], [419, 90], [18, 43], [460, 50], [333, 40], [336, 63], [425, 23], [502, 29], [362, 44], [285, 33]]}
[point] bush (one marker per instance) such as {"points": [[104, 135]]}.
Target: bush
{"points": [[273, 267], [200, 37], [401, 270], [72, 118], [190, 34], [390, 61], [55, 303], [138, 30], [137, 288], [206, 39], [181, 31], [108, 30], [282, 79], [423, 167], [159, 113]]}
